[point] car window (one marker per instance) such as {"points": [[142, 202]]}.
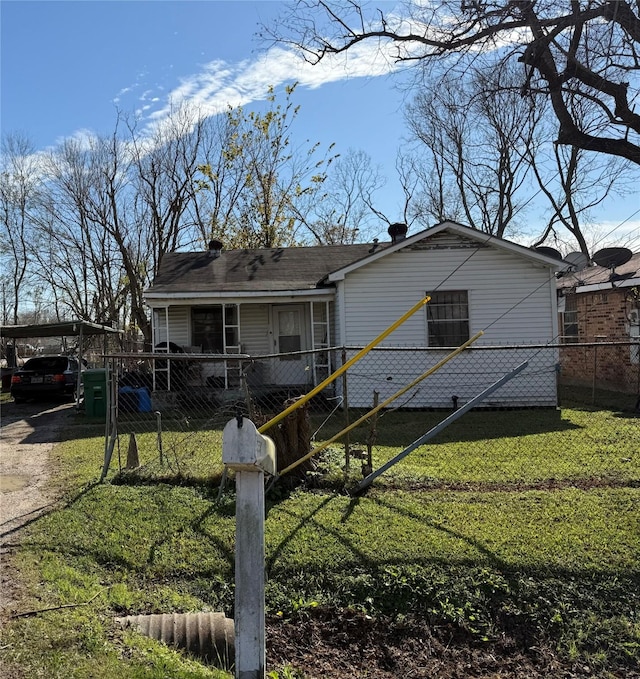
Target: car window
{"points": [[47, 363]]}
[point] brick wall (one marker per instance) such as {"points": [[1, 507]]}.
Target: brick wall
{"points": [[602, 317]]}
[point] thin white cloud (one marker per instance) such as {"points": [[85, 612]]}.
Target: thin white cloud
{"points": [[84, 138], [221, 84], [624, 233]]}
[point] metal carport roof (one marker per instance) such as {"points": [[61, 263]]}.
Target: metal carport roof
{"points": [[79, 329], [60, 329]]}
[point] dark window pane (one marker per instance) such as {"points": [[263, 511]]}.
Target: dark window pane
{"points": [[47, 363], [206, 331], [231, 314], [289, 343], [448, 318]]}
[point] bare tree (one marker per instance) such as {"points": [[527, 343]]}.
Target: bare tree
{"points": [[164, 164], [116, 205], [475, 133], [19, 189], [567, 51], [574, 182], [429, 194], [344, 211], [78, 260]]}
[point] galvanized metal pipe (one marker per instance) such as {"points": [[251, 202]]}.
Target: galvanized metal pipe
{"points": [[343, 368], [384, 404], [442, 425], [209, 636]]}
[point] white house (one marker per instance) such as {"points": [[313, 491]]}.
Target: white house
{"points": [[285, 306]]}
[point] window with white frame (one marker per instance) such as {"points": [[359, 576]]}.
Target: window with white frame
{"points": [[570, 319], [448, 318]]}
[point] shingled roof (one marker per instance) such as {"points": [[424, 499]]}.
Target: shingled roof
{"points": [[263, 270], [599, 275]]}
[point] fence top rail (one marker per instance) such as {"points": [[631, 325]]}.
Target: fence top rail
{"points": [[178, 356], [499, 347], [186, 356]]}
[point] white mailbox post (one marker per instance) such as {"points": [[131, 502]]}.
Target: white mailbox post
{"points": [[250, 455]]}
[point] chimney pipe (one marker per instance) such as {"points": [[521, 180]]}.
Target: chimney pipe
{"points": [[215, 248], [397, 232]]}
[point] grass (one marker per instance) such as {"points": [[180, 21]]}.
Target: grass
{"points": [[508, 447], [521, 519]]}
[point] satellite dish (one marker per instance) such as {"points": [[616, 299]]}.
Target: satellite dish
{"points": [[577, 261], [610, 258], [548, 252]]}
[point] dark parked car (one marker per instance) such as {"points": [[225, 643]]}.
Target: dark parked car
{"points": [[45, 376]]}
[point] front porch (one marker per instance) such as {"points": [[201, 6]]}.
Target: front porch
{"points": [[210, 345]]}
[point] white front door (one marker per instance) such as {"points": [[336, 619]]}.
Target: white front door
{"points": [[290, 336]]}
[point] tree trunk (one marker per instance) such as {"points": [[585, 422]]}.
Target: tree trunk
{"points": [[292, 437]]}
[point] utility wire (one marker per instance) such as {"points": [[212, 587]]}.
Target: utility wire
{"points": [[622, 223]]}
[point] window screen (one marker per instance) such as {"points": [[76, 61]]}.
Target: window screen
{"points": [[448, 318], [289, 333], [206, 329]]}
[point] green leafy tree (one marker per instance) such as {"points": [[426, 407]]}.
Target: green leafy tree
{"points": [[270, 185]]}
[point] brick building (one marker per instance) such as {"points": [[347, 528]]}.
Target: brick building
{"points": [[600, 325]]}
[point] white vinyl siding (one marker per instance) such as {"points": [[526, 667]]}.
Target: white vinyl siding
{"points": [[509, 298], [179, 325]]}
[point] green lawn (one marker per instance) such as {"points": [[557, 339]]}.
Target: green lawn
{"points": [[510, 515]]}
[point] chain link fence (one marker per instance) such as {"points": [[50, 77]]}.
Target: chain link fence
{"points": [[165, 412], [605, 374]]}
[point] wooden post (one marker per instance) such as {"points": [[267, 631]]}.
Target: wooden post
{"points": [[133, 461], [250, 455], [292, 438], [373, 435], [249, 598]]}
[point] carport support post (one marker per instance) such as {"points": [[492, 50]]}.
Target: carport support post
{"points": [[249, 454], [79, 381]]}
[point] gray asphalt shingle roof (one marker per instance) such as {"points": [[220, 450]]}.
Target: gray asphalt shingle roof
{"points": [[268, 270], [594, 275]]}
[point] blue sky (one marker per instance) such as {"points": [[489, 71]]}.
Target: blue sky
{"points": [[67, 66]]}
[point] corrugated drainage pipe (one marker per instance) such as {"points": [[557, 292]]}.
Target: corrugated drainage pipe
{"points": [[209, 636]]}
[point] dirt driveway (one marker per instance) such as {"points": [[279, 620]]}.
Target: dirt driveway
{"points": [[28, 432]]}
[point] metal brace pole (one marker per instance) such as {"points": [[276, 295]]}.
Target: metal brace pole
{"points": [[368, 480]]}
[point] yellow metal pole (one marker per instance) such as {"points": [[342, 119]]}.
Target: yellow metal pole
{"points": [[384, 404], [343, 368]]}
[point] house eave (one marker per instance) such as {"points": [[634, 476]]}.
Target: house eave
{"points": [[608, 285], [254, 297], [483, 238]]}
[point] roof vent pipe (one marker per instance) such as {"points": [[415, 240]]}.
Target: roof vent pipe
{"points": [[215, 248], [397, 232]]}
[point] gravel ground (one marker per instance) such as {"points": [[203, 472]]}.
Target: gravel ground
{"points": [[28, 432]]}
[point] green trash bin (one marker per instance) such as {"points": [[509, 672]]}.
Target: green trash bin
{"points": [[95, 392]]}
